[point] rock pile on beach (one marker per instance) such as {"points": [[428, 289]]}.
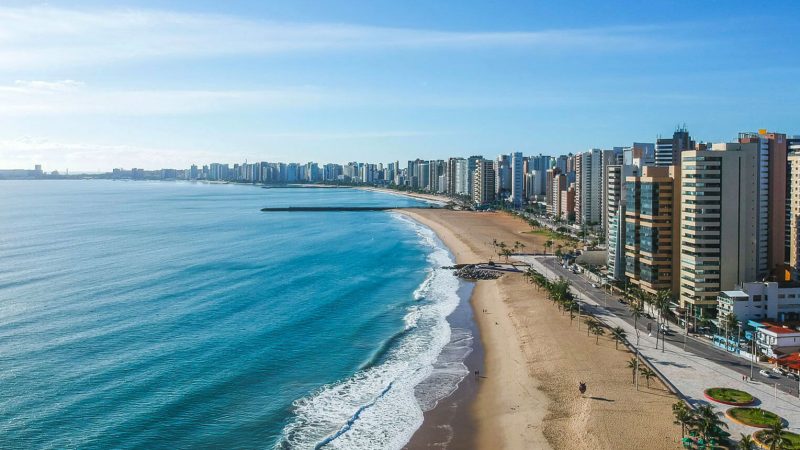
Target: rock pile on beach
{"points": [[471, 272]]}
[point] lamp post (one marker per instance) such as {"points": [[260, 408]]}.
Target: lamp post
{"points": [[738, 337], [685, 326]]}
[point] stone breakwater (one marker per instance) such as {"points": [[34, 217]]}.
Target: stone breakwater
{"points": [[474, 272]]}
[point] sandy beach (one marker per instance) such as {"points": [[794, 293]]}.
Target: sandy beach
{"points": [[535, 358]]}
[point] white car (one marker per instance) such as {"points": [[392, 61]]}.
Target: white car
{"points": [[766, 373], [594, 285], [778, 371]]}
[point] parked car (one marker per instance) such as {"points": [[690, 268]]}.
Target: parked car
{"points": [[779, 371], [765, 373], [594, 285]]}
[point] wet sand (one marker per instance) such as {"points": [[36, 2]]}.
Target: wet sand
{"points": [[534, 358]]}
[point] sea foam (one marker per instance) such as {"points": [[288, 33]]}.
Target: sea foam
{"points": [[382, 405]]}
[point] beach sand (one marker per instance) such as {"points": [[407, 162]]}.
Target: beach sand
{"points": [[535, 358]]}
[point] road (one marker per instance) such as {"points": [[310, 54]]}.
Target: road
{"points": [[698, 346]]}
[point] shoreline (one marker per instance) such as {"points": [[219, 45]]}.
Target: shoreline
{"points": [[504, 377], [535, 355]]}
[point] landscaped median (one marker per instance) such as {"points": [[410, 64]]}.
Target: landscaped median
{"points": [[728, 396], [791, 440], [753, 417]]}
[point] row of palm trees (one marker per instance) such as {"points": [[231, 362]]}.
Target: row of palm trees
{"points": [[503, 250], [558, 293], [638, 299]]}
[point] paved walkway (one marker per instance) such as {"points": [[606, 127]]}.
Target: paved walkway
{"points": [[692, 374]]}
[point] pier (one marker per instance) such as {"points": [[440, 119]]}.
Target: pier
{"points": [[341, 208]]}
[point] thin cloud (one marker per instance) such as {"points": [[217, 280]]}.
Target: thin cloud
{"points": [[36, 97], [47, 36], [70, 97]]}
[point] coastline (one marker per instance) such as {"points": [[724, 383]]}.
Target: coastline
{"points": [[534, 357], [504, 379]]}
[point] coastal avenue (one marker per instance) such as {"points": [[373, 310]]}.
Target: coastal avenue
{"points": [[698, 347]]}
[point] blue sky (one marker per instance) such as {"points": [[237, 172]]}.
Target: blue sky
{"points": [[96, 84]]}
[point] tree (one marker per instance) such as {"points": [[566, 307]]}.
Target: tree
{"points": [[683, 416], [661, 302], [746, 442], [618, 334], [647, 374], [503, 247], [773, 436], [572, 307], [547, 244], [633, 364], [636, 312], [730, 321], [597, 329], [707, 422]]}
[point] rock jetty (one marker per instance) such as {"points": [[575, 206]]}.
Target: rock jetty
{"points": [[473, 272]]}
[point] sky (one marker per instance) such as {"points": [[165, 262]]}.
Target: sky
{"points": [[93, 85]]}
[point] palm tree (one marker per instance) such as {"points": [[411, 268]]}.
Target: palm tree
{"points": [[597, 330], [661, 302], [730, 322], [647, 374], [633, 364], [521, 246], [548, 243], [683, 416], [707, 422], [746, 442], [619, 336], [572, 306], [773, 436], [636, 312], [502, 246]]}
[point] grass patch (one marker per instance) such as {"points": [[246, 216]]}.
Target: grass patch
{"points": [[546, 232], [726, 395], [755, 417], [792, 439]]}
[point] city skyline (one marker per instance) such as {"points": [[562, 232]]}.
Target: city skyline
{"points": [[90, 86]]}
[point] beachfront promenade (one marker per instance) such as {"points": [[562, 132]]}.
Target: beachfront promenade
{"points": [[689, 372]]}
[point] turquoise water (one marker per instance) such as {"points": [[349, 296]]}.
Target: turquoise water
{"points": [[166, 315]]}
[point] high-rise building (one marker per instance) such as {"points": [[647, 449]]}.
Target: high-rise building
{"points": [[502, 177], [794, 213], [484, 185], [717, 227], [517, 176], [588, 186], [461, 174], [558, 186], [452, 175], [668, 150], [614, 215], [567, 204], [549, 193], [472, 165], [792, 204], [772, 182], [652, 231]]}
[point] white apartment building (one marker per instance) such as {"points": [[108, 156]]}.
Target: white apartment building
{"points": [[761, 300]]}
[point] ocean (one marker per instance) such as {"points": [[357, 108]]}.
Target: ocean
{"points": [[176, 314]]}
